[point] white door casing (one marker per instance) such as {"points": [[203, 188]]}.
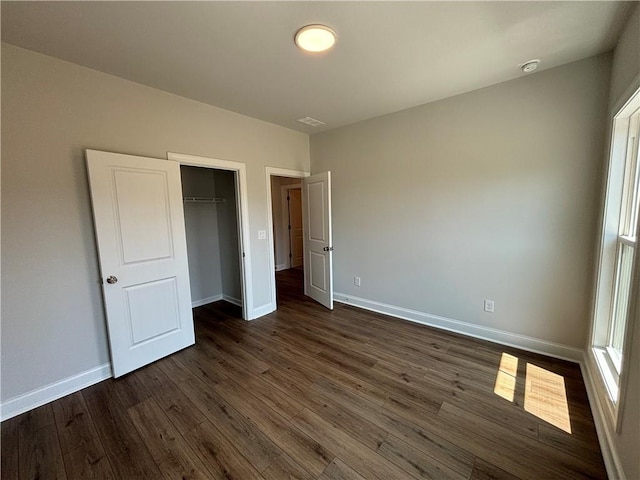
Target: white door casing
{"points": [[139, 225], [278, 172], [240, 169], [318, 246]]}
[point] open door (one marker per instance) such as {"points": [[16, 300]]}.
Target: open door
{"points": [[296, 232], [139, 224], [318, 248]]}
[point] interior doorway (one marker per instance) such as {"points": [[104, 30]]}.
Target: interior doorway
{"points": [[286, 205], [280, 182], [287, 231], [316, 232], [293, 208]]}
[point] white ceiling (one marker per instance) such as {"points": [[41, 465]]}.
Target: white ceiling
{"points": [[240, 55]]}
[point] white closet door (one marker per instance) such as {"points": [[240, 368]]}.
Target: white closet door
{"points": [[139, 224]]}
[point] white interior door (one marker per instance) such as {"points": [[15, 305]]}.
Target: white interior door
{"points": [[296, 241], [139, 224], [318, 248]]}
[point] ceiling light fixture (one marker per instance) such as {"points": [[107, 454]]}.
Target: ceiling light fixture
{"points": [[530, 66], [315, 38]]}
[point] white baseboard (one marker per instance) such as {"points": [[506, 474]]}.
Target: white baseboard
{"points": [[230, 299], [262, 311], [502, 337], [281, 266], [600, 417], [204, 301], [41, 396]]}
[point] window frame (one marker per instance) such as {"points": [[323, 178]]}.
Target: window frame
{"points": [[620, 210]]}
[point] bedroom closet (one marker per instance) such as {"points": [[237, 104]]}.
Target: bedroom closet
{"points": [[211, 224]]}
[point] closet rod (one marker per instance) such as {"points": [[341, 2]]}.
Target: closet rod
{"points": [[203, 200]]}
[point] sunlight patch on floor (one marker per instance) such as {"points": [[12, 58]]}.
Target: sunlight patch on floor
{"points": [[546, 398], [505, 386], [545, 395]]}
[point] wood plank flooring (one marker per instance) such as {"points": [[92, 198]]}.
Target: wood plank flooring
{"points": [[305, 393]]}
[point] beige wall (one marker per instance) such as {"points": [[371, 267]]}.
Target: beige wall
{"points": [[52, 318], [488, 195], [625, 79]]}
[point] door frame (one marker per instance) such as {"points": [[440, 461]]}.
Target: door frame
{"points": [[284, 193], [276, 172], [242, 208]]}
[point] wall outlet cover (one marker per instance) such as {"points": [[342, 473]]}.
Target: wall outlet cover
{"points": [[489, 306]]}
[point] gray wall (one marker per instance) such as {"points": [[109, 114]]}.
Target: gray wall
{"points": [[492, 194], [201, 226], [53, 325], [625, 78]]}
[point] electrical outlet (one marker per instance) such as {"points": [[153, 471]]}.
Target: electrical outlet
{"points": [[489, 306], [262, 234], [356, 281]]}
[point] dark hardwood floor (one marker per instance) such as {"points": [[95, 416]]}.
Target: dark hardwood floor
{"points": [[305, 393]]}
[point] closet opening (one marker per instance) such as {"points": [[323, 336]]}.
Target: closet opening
{"points": [[211, 216]]}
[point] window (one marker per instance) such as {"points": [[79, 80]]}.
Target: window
{"points": [[618, 247]]}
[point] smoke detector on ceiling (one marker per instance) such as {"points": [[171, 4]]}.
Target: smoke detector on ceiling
{"points": [[529, 66], [311, 121]]}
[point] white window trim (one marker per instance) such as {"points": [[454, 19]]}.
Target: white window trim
{"points": [[611, 366]]}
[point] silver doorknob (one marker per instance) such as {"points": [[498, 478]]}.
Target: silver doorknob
{"points": [[112, 279]]}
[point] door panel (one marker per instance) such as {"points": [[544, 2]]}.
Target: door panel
{"points": [[142, 194], [318, 249], [139, 224], [317, 224], [157, 299], [317, 273]]}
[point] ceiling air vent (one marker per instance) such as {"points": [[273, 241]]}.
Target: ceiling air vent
{"points": [[310, 121]]}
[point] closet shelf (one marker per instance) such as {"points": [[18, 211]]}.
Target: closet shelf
{"points": [[203, 200]]}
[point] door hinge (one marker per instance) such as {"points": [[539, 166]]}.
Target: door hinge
{"points": [[243, 255]]}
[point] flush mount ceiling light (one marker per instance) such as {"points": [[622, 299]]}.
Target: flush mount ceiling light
{"points": [[315, 38], [530, 66]]}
